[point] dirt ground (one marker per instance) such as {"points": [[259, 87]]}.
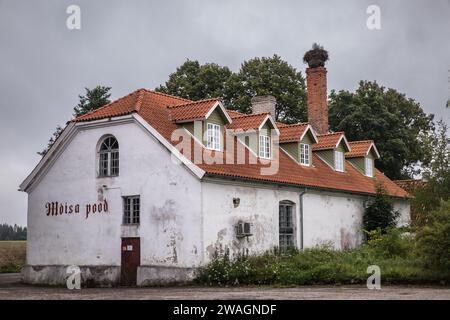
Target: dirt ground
{"points": [[11, 288]]}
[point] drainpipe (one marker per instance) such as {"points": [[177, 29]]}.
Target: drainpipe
{"points": [[301, 217]]}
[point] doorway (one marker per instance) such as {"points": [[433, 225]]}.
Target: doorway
{"points": [[131, 260]]}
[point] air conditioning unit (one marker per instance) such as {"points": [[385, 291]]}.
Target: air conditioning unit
{"points": [[243, 229]]}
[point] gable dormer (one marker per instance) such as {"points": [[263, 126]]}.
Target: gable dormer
{"points": [[362, 156], [257, 132], [204, 119], [331, 148], [297, 140]]}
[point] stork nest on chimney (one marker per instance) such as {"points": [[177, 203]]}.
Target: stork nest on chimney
{"points": [[316, 57]]}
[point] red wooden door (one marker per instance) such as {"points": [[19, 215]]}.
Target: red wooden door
{"points": [[131, 259]]}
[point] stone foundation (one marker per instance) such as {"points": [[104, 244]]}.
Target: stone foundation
{"points": [[160, 275], [56, 275]]}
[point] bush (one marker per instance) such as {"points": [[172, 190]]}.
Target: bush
{"points": [[380, 214], [433, 240], [390, 244]]}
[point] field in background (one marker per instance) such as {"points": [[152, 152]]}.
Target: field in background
{"points": [[12, 256]]}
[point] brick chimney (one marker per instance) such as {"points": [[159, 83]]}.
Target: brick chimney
{"points": [[264, 104], [316, 82]]}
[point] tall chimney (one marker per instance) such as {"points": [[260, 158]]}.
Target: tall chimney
{"points": [[316, 82], [264, 104]]}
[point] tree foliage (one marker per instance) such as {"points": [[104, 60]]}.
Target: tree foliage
{"points": [[397, 124], [433, 240], [92, 100], [9, 232], [436, 174], [195, 82], [258, 76], [379, 214], [269, 76]]}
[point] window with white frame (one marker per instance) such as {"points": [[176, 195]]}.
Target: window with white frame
{"points": [[108, 157], [264, 146], [369, 167], [131, 210], [305, 154], [213, 136], [339, 160]]}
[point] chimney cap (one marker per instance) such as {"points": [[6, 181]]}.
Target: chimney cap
{"points": [[316, 57]]}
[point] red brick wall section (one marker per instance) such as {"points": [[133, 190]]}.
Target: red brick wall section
{"points": [[316, 81]]}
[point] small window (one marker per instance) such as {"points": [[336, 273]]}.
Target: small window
{"points": [[286, 226], [304, 154], [369, 167], [339, 160], [213, 136], [131, 210], [108, 159], [264, 146]]}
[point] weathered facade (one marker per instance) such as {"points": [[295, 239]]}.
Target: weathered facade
{"points": [[117, 196]]}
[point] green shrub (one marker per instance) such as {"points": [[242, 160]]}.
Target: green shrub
{"points": [[380, 213], [433, 240], [390, 244]]}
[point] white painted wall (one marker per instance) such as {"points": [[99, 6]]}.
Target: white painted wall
{"points": [[332, 219], [329, 218], [170, 227], [257, 205], [404, 208]]}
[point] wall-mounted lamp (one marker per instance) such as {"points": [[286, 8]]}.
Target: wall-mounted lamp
{"points": [[236, 202]]}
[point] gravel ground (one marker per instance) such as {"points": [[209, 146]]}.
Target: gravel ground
{"points": [[11, 288]]}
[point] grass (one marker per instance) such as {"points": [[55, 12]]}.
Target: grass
{"points": [[393, 253], [12, 256]]}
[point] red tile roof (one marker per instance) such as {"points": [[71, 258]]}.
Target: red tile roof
{"points": [[155, 108], [248, 121], [191, 110], [328, 140], [293, 132], [359, 148]]}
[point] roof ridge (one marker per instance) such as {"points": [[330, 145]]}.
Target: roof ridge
{"points": [[138, 105], [295, 124], [361, 141], [106, 105], [331, 133], [192, 102], [252, 115], [167, 95]]}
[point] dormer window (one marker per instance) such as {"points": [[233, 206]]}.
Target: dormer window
{"points": [[213, 136], [264, 146], [368, 167], [305, 154], [339, 161]]}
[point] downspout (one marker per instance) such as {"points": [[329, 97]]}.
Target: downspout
{"points": [[301, 216]]}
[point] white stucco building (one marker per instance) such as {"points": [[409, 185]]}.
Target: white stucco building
{"points": [[150, 186]]}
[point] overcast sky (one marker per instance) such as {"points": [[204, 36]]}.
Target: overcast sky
{"points": [[133, 44]]}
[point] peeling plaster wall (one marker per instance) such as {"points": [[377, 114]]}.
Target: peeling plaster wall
{"points": [[329, 218], [332, 219], [404, 208], [257, 205], [170, 218]]}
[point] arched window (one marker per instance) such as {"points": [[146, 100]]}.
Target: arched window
{"points": [[108, 156]]}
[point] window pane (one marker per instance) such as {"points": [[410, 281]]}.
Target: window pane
{"points": [[126, 210]]}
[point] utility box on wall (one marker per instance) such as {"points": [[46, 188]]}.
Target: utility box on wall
{"points": [[243, 229]]}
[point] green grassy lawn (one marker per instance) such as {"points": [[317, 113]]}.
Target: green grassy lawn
{"points": [[12, 256]]}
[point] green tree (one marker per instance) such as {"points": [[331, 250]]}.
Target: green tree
{"points": [[433, 240], [379, 214], [195, 82], [397, 124], [269, 76], [436, 174], [92, 100]]}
